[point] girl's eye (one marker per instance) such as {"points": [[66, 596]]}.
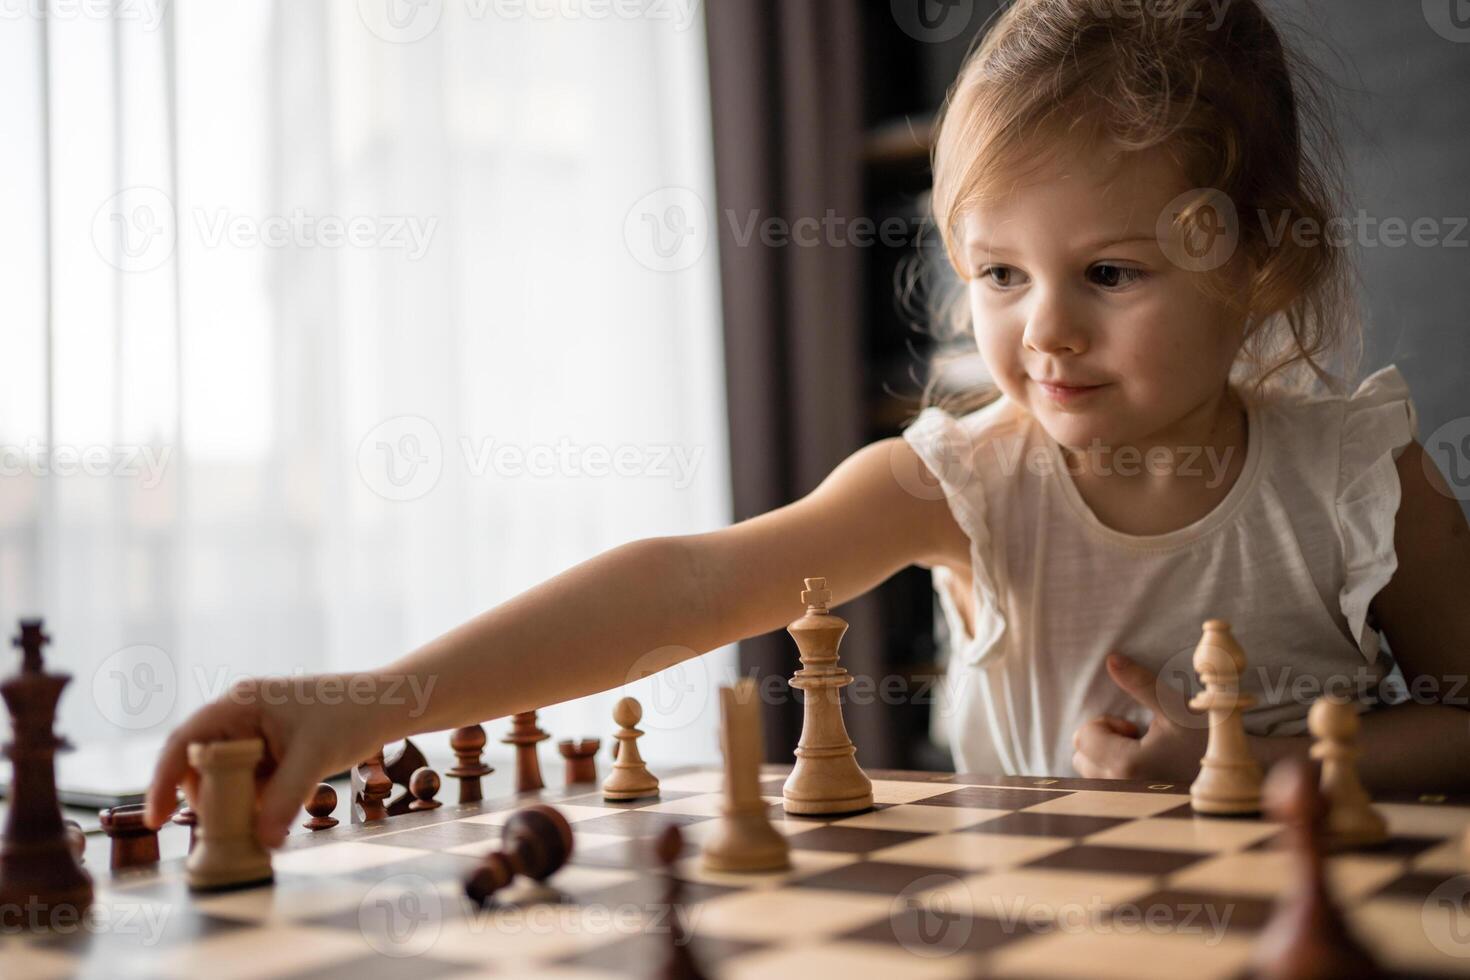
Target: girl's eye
{"points": [[1115, 276], [1002, 276]]}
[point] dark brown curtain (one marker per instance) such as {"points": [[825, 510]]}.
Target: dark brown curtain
{"points": [[785, 81]]}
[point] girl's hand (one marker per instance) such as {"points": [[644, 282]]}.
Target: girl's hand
{"points": [[305, 738], [1114, 748]]}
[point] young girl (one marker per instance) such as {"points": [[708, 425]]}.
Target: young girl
{"points": [[1110, 185]]}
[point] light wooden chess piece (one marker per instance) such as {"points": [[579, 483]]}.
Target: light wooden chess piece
{"points": [[227, 855], [743, 839], [630, 778], [1351, 819], [826, 778], [1229, 780]]}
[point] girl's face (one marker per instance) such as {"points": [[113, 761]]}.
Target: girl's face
{"points": [[1069, 284]]}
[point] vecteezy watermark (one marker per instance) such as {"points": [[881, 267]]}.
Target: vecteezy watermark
{"points": [[401, 916], [1098, 916], [138, 686], [302, 229], [1450, 19], [1445, 916], [933, 21], [136, 229], [142, 922], [667, 230], [672, 684], [933, 916], [1448, 448], [402, 458], [1199, 230], [407, 21], [35, 458], [147, 14]]}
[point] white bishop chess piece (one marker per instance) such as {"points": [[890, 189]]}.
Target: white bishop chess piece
{"points": [[1229, 781]]}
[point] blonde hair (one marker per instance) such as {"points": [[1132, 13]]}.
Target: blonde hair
{"points": [[1217, 90]]}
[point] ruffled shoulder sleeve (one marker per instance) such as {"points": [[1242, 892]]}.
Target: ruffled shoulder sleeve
{"points": [[951, 450], [1379, 421]]}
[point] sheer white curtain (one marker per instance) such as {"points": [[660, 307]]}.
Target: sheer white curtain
{"points": [[327, 325]]}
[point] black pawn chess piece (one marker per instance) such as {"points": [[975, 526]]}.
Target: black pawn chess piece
{"points": [[320, 807], [535, 842], [134, 843], [424, 785], [40, 878], [677, 959], [1307, 937]]}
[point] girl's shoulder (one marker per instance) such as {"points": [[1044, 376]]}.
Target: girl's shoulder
{"points": [[1357, 430]]}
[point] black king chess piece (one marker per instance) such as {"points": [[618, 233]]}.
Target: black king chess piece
{"points": [[41, 883]]}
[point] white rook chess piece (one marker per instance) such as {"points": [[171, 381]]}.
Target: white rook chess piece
{"points": [[1229, 780], [226, 853], [826, 778], [743, 838], [1351, 819]]}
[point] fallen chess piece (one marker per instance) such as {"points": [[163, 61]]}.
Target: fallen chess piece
{"points": [[322, 805], [536, 841], [228, 854], [1307, 937], [630, 778], [826, 779], [134, 843]]}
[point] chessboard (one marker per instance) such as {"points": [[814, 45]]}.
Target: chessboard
{"points": [[948, 875]]}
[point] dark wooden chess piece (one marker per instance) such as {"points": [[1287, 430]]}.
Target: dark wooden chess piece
{"points": [[1307, 937], [134, 843], [400, 767], [370, 789], [424, 785], [581, 759], [186, 817], [535, 842], [467, 743], [677, 960], [321, 806], [40, 878], [76, 838], [524, 735]]}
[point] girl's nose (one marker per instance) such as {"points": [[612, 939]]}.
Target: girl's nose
{"points": [[1052, 330]]}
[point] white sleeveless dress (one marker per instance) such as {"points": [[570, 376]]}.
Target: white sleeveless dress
{"points": [[1291, 557]]}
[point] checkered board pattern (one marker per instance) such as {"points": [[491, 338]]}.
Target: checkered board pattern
{"points": [[949, 875]]}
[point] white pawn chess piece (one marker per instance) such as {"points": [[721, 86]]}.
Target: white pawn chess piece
{"points": [[1351, 819], [743, 838], [826, 778], [226, 853], [1229, 781], [630, 778]]}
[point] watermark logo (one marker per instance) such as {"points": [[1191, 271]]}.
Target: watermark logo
{"points": [[1446, 916], [667, 230], [933, 916], [402, 458], [1450, 19], [401, 916], [1448, 447], [1199, 230], [136, 687], [672, 684], [400, 21], [932, 21], [135, 230], [147, 14]]}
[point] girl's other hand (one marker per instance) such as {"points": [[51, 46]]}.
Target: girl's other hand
{"points": [[1108, 747]]}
